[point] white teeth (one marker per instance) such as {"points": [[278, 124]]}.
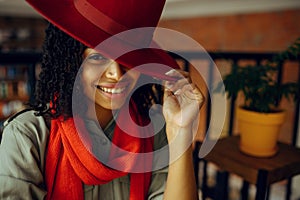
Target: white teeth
{"points": [[111, 90]]}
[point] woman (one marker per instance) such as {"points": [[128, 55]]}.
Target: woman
{"points": [[99, 143]]}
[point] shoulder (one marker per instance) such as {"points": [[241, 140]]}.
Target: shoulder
{"points": [[22, 154], [27, 123], [26, 118]]}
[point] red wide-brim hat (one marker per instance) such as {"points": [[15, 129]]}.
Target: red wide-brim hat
{"points": [[119, 29]]}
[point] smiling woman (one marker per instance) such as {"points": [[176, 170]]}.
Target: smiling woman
{"points": [[101, 142], [106, 84]]}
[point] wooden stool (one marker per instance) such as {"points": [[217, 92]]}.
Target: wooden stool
{"points": [[259, 171]]}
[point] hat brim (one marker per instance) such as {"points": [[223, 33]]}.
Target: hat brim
{"points": [[67, 18]]}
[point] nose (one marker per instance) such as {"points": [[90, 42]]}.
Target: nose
{"points": [[114, 71]]}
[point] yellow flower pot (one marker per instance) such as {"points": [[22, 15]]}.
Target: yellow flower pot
{"points": [[259, 132]]}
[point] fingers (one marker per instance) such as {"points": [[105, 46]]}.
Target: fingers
{"points": [[178, 73], [193, 92], [183, 87], [181, 75], [189, 93]]}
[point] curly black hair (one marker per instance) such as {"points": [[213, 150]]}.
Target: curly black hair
{"points": [[61, 61]]}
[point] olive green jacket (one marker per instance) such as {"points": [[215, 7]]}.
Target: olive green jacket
{"points": [[22, 164]]}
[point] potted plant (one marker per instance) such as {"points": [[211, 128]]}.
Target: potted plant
{"points": [[260, 109]]}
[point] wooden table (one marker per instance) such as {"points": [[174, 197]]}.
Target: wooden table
{"points": [[259, 171]]}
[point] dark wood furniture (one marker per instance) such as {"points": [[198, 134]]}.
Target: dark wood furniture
{"points": [[259, 171]]}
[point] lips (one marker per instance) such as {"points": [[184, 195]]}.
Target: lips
{"points": [[108, 90], [115, 89]]}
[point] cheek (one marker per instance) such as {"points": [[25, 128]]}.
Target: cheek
{"points": [[134, 78], [88, 77], [91, 73], [134, 75]]}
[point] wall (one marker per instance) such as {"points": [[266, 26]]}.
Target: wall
{"points": [[20, 34], [255, 32], [243, 32]]}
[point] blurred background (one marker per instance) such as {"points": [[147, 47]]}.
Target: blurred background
{"points": [[230, 26]]}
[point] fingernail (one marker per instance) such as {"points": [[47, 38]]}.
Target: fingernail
{"points": [[170, 72], [177, 92]]}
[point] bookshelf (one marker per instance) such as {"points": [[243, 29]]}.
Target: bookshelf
{"points": [[18, 74], [21, 39]]}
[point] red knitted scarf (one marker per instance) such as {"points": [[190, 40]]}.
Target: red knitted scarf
{"points": [[70, 163]]}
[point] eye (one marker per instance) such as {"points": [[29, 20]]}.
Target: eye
{"points": [[97, 58]]}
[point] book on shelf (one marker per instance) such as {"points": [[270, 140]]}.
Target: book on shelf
{"points": [[10, 107], [14, 89]]}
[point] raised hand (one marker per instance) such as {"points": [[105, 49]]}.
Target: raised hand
{"points": [[182, 100]]}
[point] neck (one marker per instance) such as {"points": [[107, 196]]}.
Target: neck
{"points": [[103, 116]]}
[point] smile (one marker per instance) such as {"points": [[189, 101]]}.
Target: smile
{"points": [[111, 90]]}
